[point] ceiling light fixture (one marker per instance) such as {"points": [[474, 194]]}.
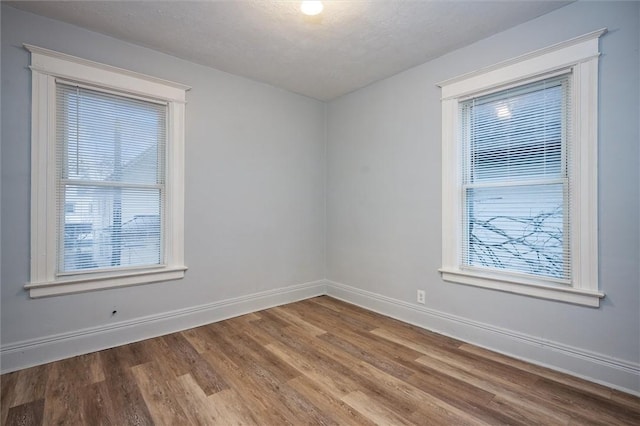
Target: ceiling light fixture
{"points": [[311, 7]]}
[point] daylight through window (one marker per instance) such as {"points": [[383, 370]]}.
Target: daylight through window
{"points": [[110, 152], [515, 182]]}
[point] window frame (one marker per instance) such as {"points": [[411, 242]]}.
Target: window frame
{"points": [[46, 67], [579, 56]]}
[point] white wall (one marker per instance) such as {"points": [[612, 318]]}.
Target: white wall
{"points": [[254, 195], [384, 202]]}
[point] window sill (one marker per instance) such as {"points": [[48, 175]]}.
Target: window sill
{"points": [[506, 284], [91, 282]]}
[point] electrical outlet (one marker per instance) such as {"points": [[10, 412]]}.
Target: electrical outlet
{"points": [[421, 296]]}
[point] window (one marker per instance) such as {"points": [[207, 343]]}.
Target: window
{"points": [[519, 175], [107, 176], [110, 166], [514, 180]]}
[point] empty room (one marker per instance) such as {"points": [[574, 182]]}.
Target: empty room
{"points": [[358, 212]]}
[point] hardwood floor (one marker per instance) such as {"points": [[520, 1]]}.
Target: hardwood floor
{"points": [[319, 361]]}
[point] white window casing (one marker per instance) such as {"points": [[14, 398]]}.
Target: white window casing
{"points": [[50, 68], [578, 58]]}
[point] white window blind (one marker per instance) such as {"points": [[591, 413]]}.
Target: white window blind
{"points": [[515, 180], [110, 168]]}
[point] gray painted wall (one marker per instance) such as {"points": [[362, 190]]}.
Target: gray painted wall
{"points": [[384, 187], [254, 186]]}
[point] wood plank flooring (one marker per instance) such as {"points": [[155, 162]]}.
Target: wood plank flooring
{"points": [[318, 361]]}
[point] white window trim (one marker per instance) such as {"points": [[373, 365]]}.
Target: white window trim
{"points": [[47, 66], [580, 55]]}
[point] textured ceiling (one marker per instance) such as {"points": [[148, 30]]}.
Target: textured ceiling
{"points": [[350, 45]]}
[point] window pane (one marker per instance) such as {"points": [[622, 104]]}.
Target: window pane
{"points": [[518, 229], [106, 137], [110, 158], [517, 134], [110, 227], [515, 179]]}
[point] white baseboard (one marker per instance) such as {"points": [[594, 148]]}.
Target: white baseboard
{"points": [[595, 367], [28, 353], [592, 366]]}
